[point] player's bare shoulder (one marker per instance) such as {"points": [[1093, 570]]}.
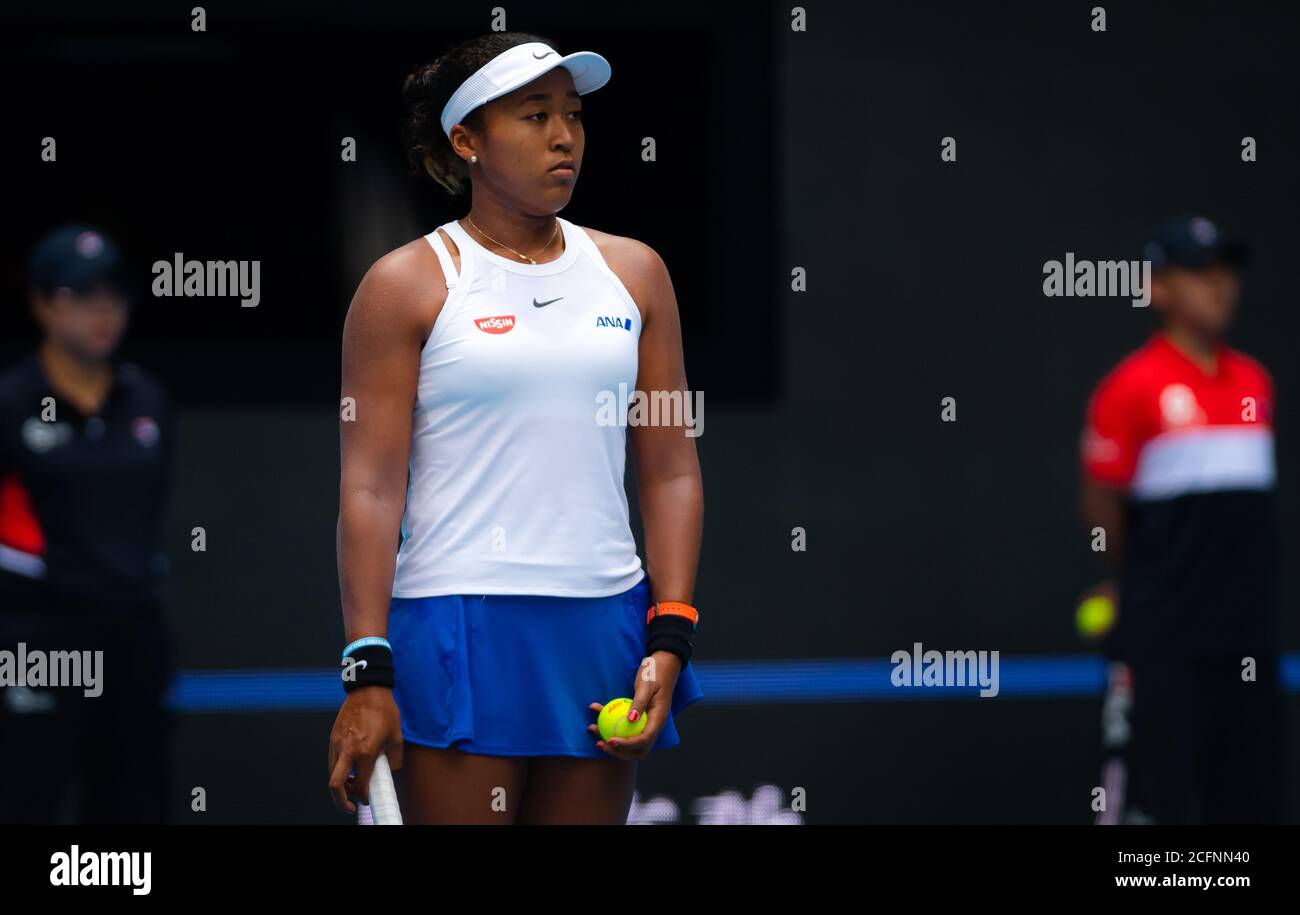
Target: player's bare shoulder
{"points": [[403, 289], [636, 264]]}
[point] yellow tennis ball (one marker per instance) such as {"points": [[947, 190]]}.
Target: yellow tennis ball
{"points": [[1095, 615], [612, 721]]}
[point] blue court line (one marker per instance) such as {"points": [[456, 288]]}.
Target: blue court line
{"points": [[723, 682]]}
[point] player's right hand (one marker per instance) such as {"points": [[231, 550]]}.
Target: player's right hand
{"points": [[368, 724]]}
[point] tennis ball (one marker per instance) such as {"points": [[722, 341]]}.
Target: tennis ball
{"points": [[1094, 616], [612, 721]]}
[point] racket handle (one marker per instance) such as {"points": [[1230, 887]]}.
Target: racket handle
{"points": [[382, 809]]}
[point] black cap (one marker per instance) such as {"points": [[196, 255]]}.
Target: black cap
{"points": [[1193, 242], [78, 257]]}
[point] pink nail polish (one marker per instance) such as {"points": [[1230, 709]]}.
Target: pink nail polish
{"points": [[634, 715]]}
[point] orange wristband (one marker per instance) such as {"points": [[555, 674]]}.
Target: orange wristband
{"points": [[673, 608]]}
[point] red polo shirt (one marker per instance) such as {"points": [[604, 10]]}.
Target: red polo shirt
{"points": [[1193, 453]]}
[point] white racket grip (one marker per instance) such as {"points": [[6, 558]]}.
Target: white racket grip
{"points": [[383, 809]]}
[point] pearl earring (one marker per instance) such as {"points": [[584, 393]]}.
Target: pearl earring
{"points": [[473, 160]]}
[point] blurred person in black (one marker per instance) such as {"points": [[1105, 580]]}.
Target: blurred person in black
{"points": [[85, 451], [1179, 471]]}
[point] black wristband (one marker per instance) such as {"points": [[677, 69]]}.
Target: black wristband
{"points": [[369, 665], [671, 633]]}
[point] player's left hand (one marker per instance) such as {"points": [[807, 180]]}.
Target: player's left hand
{"points": [[653, 697]]}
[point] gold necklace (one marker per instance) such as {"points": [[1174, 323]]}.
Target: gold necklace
{"points": [[507, 247]]}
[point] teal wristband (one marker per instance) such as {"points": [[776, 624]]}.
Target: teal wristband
{"points": [[368, 640]]}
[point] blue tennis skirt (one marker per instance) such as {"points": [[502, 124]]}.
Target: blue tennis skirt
{"points": [[513, 675]]}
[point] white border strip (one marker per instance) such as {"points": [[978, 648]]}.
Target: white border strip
{"points": [[1205, 459], [21, 563]]}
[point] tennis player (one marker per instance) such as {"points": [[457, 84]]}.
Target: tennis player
{"points": [[1179, 470], [491, 589]]}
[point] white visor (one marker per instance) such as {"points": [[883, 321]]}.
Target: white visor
{"points": [[520, 65]]}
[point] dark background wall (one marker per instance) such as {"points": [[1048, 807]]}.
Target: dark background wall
{"points": [[776, 149]]}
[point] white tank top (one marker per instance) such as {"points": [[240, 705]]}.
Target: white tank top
{"points": [[516, 487]]}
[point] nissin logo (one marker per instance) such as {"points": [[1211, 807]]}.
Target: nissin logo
{"points": [[614, 322], [499, 324]]}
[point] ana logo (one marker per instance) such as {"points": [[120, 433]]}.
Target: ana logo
{"points": [[614, 322], [500, 324], [1178, 406]]}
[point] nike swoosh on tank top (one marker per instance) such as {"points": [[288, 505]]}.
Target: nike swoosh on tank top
{"points": [[515, 486]]}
